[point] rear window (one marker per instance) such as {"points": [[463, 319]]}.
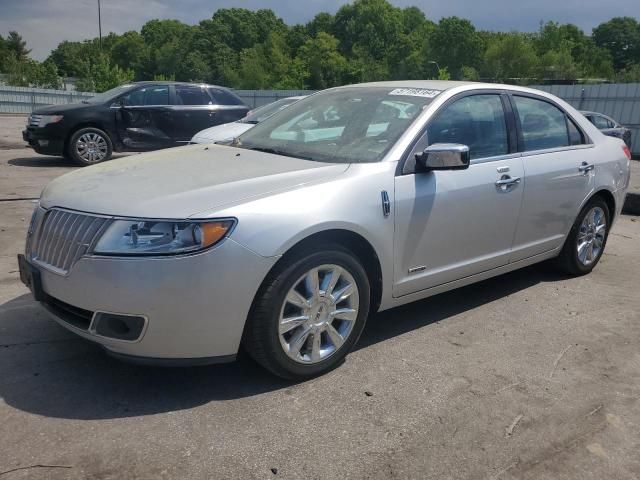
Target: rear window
{"points": [[225, 97]]}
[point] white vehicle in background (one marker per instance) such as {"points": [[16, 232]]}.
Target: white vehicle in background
{"points": [[229, 131]]}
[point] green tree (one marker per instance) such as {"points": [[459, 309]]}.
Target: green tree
{"points": [[454, 42], [323, 64], [99, 74], [620, 36], [510, 57], [16, 45]]}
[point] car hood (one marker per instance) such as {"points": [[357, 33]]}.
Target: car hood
{"points": [[221, 133], [182, 182], [61, 109]]}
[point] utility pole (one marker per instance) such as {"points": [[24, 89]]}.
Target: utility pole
{"points": [[100, 25]]}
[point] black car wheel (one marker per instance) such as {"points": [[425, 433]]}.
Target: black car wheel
{"points": [[89, 146], [309, 313]]}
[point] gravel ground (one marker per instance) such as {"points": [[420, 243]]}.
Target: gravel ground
{"points": [[530, 375]]}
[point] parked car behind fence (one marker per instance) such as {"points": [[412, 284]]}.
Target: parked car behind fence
{"points": [[609, 126]]}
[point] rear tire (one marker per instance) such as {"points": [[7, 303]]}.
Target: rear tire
{"points": [[89, 146], [587, 239], [312, 334]]}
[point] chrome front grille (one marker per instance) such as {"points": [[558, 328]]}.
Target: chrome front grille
{"points": [[34, 120], [62, 238]]}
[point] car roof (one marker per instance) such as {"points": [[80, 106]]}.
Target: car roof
{"points": [[444, 85], [162, 82]]}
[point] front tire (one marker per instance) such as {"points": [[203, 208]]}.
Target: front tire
{"points": [[585, 243], [89, 146], [309, 313]]}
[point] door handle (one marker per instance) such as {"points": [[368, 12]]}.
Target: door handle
{"points": [[506, 181], [586, 167]]}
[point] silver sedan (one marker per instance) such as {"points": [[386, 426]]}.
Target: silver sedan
{"points": [[354, 200]]}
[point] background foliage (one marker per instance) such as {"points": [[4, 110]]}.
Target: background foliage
{"points": [[366, 40]]}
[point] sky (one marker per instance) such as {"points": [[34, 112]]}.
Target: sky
{"points": [[45, 23]]}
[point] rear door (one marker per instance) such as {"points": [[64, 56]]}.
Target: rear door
{"points": [[144, 121], [193, 110], [559, 165], [230, 106]]}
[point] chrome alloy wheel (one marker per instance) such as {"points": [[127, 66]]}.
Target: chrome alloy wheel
{"points": [[591, 236], [318, 314], [92, 147]]}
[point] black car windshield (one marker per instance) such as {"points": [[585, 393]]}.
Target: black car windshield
{"points": [[109, 95], [260, 114], [343, 125]]}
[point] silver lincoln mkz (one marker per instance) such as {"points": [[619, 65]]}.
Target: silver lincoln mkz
{"points": [[353, 200]]}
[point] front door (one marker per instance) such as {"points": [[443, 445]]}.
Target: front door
{"points": [[453, 224], [560, 170], [144, 122]]}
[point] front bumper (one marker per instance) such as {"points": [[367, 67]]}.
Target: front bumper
{"points": [[194, 307], [45, 141]]}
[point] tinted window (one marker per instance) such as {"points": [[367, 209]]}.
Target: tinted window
{"points": [[192, 95], [476, 121], [543, 125], [225, 97], [134, 98], [157, 95], [601, 122], [147, 96]]}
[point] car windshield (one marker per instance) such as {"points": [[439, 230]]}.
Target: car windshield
{"points": [[343, 125], [260, 114], [105, 97]]}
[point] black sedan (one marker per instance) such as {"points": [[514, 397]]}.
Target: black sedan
{"points": [[139, 116], [609, 126]]}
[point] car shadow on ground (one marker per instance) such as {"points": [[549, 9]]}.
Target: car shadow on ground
{"points": [[48, 371], [41, 161]]}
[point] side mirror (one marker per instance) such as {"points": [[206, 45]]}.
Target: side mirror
{"points": [[444, 156]]}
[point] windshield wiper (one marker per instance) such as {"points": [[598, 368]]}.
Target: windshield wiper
{"points": [[277, 152]]}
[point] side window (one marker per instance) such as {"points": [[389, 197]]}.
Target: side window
{"points": [[477, 121], [192, 95], [543, 124], [225, 97], [134, 98], [157, 95], [575, 135]]}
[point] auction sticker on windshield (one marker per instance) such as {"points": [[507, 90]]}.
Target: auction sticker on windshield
{"points": [[416, 92]]}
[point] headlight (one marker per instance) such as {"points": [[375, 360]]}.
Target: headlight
{"points": [[47, 119], [151, 237]]}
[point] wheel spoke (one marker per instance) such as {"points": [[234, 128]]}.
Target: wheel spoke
{"points": [[298, 341], [582, 251], [600, 229], [288, 324], [312, 284], [590, 253], [315, 346], [295, 298], [348, 314], [342, 294], [330, 280], [334, 336]]}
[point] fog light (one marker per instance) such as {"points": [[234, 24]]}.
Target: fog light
{"points": [[43, 143], [120, 327]]}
